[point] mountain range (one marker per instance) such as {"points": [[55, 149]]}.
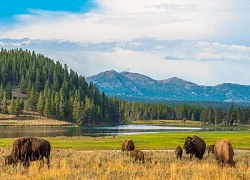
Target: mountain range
{"points": [[134, 85]]}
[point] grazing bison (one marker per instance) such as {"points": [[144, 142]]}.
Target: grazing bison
{"points": [[195, 146], [210, 149], [137, 154], [178, 152], [128, 145], [224, 152], [26, 149], [10, 160]]}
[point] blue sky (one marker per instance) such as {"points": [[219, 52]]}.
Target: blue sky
{"points": [[9, 9], [206, 41]]}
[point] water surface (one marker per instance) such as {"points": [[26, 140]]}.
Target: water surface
{"points": [[12, 132]]}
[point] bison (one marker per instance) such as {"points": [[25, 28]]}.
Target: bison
{"points": [[178, 152], [26, 149], [195, 146], [128, 145], [224, 152], [10, 160], [210, 149], [137, 154]]}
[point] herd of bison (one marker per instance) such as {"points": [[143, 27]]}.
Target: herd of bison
{"points": [[26, 149]]}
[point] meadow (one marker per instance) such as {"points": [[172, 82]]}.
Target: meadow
{"points": [[101, 158], [153, 141], [111, 165]]}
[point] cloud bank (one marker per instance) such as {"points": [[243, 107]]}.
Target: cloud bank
{"points": [[206, 42]]}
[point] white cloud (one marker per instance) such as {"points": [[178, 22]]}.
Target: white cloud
{"points": [[201, 41], [117, 19]]}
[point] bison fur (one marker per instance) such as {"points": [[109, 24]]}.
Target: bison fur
{"points": [[210, 149], [138, 155], [224, 152], [26, 149], [128, 145], [195, 146], [178, 152]]}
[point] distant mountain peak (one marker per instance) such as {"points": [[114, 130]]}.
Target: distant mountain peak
{"points": [[128, 84], [176, 80]]}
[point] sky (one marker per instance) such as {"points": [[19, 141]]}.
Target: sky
{"points": [[203, 41]]}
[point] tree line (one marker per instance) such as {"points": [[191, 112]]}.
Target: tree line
{"points": [[53, 90], [206, 115]]}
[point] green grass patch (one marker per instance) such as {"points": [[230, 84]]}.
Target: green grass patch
{"points": [[180, 123], [239, 140]]}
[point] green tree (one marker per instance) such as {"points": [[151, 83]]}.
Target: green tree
{"points": [[47, 108], [1, 92], [23, 85], [40, 104], [32, 99], [4, 105], [12, 107], [18, 106], [8, 91]]}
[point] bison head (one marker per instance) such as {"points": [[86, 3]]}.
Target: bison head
{"points": [[189, 145], [10, 160]]}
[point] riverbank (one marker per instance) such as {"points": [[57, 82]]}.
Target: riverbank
{"points": [[28, 118]]}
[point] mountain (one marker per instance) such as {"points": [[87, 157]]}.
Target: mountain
{"points": [[134, 85]]}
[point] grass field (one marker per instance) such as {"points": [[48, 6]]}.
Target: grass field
{"points": [[113, 165], [168, 122], [154, 141], [100, 158]]}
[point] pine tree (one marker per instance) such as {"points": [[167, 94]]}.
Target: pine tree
{"points": [[46, 111], [57, 105], [8, 91], [12, 107], [40, 104], [1, 92], [4, 104], [21, 102], [32, 99], [23, 85], [18, 106]]}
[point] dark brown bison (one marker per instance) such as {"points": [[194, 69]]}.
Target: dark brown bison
{"points": [[128, 145], [224, 152], [137, 154], [210, 149], [26, 149], [195, 146], [178, 152]]}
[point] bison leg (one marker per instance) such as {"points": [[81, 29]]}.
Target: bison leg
{"points": [[191, 155], [48, 162]]}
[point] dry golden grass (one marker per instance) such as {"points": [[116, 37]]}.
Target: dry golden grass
{"points": [[28, 118], [35, 122], [112, 165]]}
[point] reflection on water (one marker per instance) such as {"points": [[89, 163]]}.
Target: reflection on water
{"points": [[8, 132]]}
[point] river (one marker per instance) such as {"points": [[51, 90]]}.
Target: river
{"points": [[12, 132]]}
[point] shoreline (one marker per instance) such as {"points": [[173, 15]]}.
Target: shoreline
{"points": [[36, 123]]}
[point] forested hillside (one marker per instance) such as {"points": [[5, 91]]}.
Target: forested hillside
{"points": [[53, 90]]}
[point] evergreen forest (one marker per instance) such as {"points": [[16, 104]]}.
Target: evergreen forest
{"points": [[55, 91]]}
